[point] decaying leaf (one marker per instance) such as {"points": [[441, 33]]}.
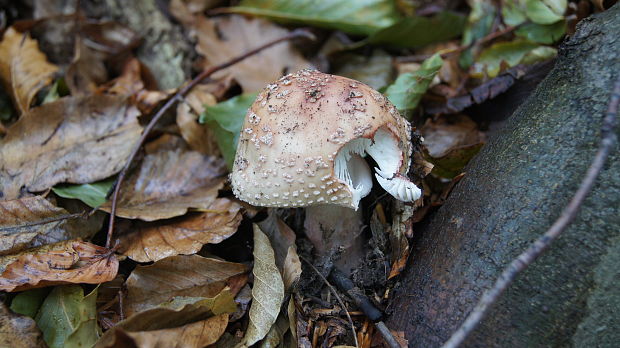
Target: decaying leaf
{"points": [[24, 70], [199, 137], [61, 263], [195, 335], [34, 221], [170, 180], [452, 163], [177, 276], [175, 313], [220, 39], [449, 132], [74, 139], [267, 292], [18, 331], [282, 239], [186, 235], [67, 318], [275, 336]]}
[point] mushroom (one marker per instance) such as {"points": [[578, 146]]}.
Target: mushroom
{"points": [[304, 140]]}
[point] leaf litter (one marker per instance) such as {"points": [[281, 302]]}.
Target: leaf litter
{"points": [[178, 282]]}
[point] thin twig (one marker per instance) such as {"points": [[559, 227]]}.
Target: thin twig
{"points": [[608, 139], [178, 96], [336, 295]]}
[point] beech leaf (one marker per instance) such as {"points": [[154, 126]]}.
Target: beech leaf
{"points": [[407, 91], [222, 38], [28, 302], [185, 235], [34, 221], [170, 181], [361, 17], [74, 139], [177, 276], [93, 194], [267, 292], [18, 331], [24, 69], [195, 335], [61, 263], [68, 318], [198, 136]]}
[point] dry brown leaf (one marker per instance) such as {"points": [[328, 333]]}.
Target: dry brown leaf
{"points": [[24, 70], [195, 335], [222, 38], [186, 235], [61, 263], [282, 239], [198, 136], [449, 132], [74, 139], [183, 275], [18, 331], [170, 181], [86, 71], [34, 221]]}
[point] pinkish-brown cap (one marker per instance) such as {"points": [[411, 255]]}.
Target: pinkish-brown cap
{"points": [[304, 139]]}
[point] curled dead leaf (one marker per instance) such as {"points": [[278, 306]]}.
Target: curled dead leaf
{"points": [[170, 181], [24, 69], [61, 263], [222, 38], [34, 221], [198, 136], [186, 235], [74, 139]]}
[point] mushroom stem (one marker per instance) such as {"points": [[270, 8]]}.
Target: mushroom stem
{"points": [[335, 229]]}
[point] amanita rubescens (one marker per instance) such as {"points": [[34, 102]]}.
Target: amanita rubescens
{"points": [[304, 139]]}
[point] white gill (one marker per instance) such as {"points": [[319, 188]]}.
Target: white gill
{"points": [[351, 168]]}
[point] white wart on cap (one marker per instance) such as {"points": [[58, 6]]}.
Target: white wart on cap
{"points": [[304, 139]]}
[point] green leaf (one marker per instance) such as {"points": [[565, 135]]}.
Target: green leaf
{"points": [[541, 33], [29, 302], [508, 54], [513, 12], [479, 24], [545, 11], [226, 119], [405, 93], [419, 31], [92, 194], [67, 318], [361, 17]]}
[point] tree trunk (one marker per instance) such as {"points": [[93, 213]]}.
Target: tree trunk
{"points": [[513, 191]]}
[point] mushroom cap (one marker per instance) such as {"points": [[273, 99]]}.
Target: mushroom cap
{"points": [[296, 128]]}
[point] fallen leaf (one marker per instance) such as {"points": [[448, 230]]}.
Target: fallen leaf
{"points": [[171, 180], [68, 319], [355, 17], [199, 137], [407, 91], [93, 194], [87, 70], [275, 336], [223, 38], [420, 31], [374, 70], [452, 163], [479, 24], [34, 221], [267, 292], [542, 33], [178, 312], [195, 335], [186, 235], [226, 119], [61, 263], [24, 70], [74, 139], [502, 55], [449, 132], [282, 239], [545, 11], [176, 276], [18, 331], [28, 302]]}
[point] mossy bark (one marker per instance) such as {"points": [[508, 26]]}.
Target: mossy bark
{"points": [[514, 190]]}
